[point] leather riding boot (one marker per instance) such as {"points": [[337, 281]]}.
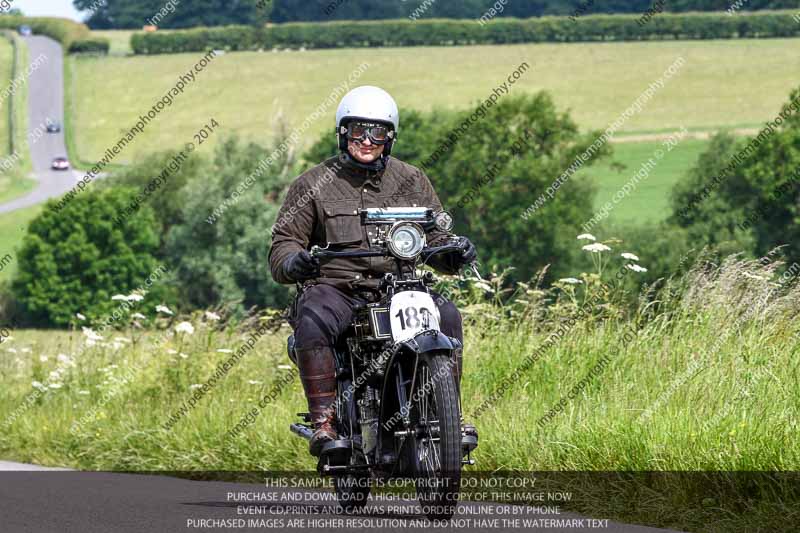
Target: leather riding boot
{"points": [[317, 369]]}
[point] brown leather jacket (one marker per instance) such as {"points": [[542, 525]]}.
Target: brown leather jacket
{"points": [[322, 207]]}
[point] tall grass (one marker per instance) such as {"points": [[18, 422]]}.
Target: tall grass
{"points": [[701, 375]]}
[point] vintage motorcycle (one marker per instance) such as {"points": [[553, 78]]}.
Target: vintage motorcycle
{"points": [[398, 406]]}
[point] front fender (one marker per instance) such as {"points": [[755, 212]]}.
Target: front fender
{"points": [[430, 341]]}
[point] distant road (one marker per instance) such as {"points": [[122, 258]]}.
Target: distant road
{"points": [[45, 101]]}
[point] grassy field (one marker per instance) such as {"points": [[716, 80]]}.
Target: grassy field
{"points": [[246, 92], [650, 200], [674, 393], [120, 40]]}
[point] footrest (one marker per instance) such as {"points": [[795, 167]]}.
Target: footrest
{"points": [[335, 453], [305, 416], [468, 443]]}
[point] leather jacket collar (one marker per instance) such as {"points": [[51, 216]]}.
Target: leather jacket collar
{"points": [[364, 172]]}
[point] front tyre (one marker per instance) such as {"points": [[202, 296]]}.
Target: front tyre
{"points": [[436, 446]]}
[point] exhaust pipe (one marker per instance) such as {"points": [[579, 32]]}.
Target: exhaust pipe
{"points": [[301, 430]]}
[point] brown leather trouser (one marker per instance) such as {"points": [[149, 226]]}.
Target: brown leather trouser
{"points": [[323, 312]]}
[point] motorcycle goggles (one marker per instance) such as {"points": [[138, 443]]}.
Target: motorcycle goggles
{"points": [[359, 131]]}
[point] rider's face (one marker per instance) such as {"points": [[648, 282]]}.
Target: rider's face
{"points": [[364, 151]]}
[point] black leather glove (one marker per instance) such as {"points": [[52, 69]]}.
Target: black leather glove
{"points": [[300, 266], [469, 253]]}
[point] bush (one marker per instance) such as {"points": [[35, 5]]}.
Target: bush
{"points": [[219, 246], [62, 30], [95, 45], [447, 32], [74, 260]]}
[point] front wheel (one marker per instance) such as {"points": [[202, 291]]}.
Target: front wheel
{"points": [[436, 444]]}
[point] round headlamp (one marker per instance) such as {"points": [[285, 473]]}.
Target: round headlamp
{"points": [[406, 240]]}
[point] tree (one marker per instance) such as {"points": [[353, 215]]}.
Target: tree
{"points": [[219, 249], [164, 175], [757, 205], [74, 260], [133, 14], [321, 10]]}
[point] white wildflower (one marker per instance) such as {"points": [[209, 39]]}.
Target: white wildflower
{"points": [[586, 237], [63, 358], [636, 268], [596, 247], [43, 358], [25, 350], [80, 316], [38, 385], [164, 309], [120, 297], [571, 281], [11, 350], [123, 339], [224, 350], [91, 335], [185, 327], [254, 382], [183, 355], [284, 367], [172, 352], [753, 276], [138, 316], [195, 386], [84, 392], [212, 316], [55, 385], [135, 297], [630, 256]]}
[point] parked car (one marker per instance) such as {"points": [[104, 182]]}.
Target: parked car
{"points": [[53, 127], [60, 163], [25, 31]]}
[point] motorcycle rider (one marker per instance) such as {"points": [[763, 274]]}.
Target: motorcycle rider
{"points": [[321, 208]]}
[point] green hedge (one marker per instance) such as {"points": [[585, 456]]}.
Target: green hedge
{"points": [[444, 32], [95, 45], [62, 30]]}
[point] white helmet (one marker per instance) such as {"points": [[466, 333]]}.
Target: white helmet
{"points": [[367, 103]]}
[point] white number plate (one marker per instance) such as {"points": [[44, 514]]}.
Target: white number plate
{"points": [[412, 312]]}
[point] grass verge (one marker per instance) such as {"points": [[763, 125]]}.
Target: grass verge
{"points": [[703, 380], [14, 124]]}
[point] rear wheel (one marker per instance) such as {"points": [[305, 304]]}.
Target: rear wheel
{"points": [[435, 449]]}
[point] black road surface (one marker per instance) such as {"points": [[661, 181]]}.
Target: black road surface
{"points": [[43, 501]]}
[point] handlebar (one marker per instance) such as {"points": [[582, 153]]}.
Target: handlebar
{"points": [[322, 253], [427, 253]]}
